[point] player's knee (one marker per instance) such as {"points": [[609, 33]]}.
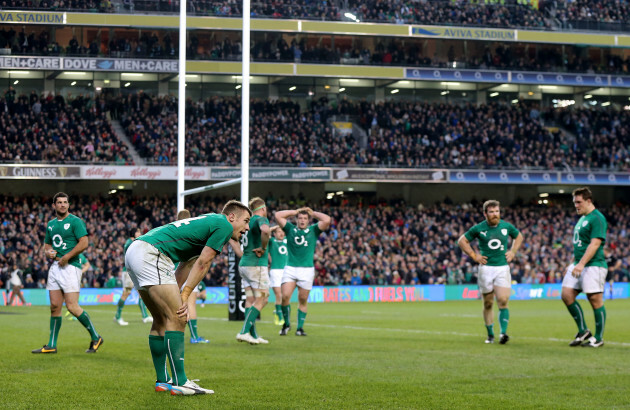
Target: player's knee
{"points": [[75, 309], [55, 307], [249, 294], [487, 305], [261, 294]]}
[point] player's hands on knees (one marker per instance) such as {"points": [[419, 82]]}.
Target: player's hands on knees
{"points": [[577, 270], [183, 310], [479, 258]]}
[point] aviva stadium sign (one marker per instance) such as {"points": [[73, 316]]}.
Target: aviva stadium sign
{"points": [[32, 17]]}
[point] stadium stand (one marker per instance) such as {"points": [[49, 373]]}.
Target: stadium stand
{"points": [[379, 242], [55, 130], [606, 15], [401, 134]]}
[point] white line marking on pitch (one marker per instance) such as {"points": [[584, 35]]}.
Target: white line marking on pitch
{"points": [[418, 331]]}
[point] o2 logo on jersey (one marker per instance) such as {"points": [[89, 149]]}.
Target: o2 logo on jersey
{"points": [[576, 237], [495, 244], [245, 240], [58, 242], [282, 250], [300, 241]]}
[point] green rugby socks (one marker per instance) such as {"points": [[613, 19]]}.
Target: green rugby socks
{"points": [[301, 319], [174, 346], [251, 314], [121, 305], [286, 312], [158, 353], [192, 324], [504, 319], [600, 322], [578, 315], [85, 320], [55, 325]]}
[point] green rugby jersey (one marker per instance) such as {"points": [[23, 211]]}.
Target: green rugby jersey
{"points": [[279, 253], [252, 240], [183, 240], [64, 235], [127, 244], [301, 244], [201, 287], [82, 260], [590, 226], [493, 240]]}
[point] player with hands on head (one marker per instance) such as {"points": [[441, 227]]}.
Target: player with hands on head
{"points": [[299, 271]]}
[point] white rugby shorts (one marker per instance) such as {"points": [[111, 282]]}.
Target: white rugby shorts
{"points": [[590, 281], [66, 279], [147, 266], [491, 276], [275, 278], [256, 277], [303, 277]]}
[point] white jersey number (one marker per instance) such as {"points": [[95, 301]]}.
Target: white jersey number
{"points": [[186, 221]]}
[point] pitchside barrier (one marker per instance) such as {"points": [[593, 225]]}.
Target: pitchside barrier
{"points": [[333, 294]]}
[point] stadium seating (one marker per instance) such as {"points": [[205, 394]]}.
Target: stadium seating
{"points": [[399, 133], [430, 135], [368, 243], [582, 14], [55, 130]]}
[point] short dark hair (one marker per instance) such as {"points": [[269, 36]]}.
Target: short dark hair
{"points": [[60, 195], [492, 203], [584, 192], [303, 212], [233, 206], [183, 214], [132, 232]]}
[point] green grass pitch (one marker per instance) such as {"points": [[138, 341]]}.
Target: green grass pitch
{"points": [[356, 355]]}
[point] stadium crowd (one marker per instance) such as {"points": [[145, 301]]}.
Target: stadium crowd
{"points": [[203, 45], [54, 129], [401, 134], [487, 13], [101, 6], [376, 242]]}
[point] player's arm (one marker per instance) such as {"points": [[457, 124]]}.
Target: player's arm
{"points": [[265, 234], [323, 220], [236, 246], [591, 250], [182, 271], [86, 266], [282, 216], [464, 245], [197, 272], [80, 247], [516, 245]]}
